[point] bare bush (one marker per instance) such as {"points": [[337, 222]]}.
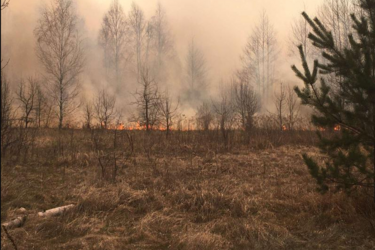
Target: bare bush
{"points": [[88, 114], [41, 105], [167, 111], [104, 108], [224, 110], [292, 109], [7, 115], [147, 101], [280, 100], [27, 98], [246, 103], [204, 116]]}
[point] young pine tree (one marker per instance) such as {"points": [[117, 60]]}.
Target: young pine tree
{"points": [[351, 104]]}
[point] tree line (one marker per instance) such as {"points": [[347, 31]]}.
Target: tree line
{"points": [[140, 51]]}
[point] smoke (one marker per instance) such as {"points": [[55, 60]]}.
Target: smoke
{"points": [[220, 29]]}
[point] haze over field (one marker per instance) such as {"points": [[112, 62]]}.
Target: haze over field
{"points": [[219, 28]]}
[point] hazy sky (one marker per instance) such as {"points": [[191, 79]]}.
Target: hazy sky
{"points": [[219, 27]]}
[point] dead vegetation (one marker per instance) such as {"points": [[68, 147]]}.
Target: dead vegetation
{"points": [[175, 194]]}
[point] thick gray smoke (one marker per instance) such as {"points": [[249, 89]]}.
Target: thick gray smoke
{"points": [[219, 28]]}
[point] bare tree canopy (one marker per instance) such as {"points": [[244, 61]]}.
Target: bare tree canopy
{"points": [[335, 14], [196, 74], [4, 4], [260, 55], [138, 25], [162, 43], [60, 50], [114, 39], [299, 36]]}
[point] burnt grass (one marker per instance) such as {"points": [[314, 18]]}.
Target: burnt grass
{"points": [[191, 191]]}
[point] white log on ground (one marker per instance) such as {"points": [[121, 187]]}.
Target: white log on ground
{"points": [[17, 222], [55, 211]]}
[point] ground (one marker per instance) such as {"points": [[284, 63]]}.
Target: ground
{"points": [[240, 199]]}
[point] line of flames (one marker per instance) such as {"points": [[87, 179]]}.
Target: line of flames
{"points": [[335, 128], [137, 126]]}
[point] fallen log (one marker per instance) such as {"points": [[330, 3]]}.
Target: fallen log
{"points": [[55, 211], [17, 222]]}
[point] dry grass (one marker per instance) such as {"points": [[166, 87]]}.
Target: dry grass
{"points": [[244, 199]]}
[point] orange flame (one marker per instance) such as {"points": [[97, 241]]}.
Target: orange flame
{"points": [[137, 126], [321, 129]]}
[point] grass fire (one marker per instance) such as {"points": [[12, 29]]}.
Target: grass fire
{"points": [[187, 124]]}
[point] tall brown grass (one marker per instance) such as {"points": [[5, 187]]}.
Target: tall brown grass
{"points": [[190, 191]]}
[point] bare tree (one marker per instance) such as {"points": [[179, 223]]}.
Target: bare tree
{"points": [[180, 120], [168, 111], [204, 116], [60, 50], [147, 101], [48, 112], [6, 113], [114, 39], [163, 43], [335, 14], [26, 96], [224, 111], [104, 108], [280, 102], [40, 105], [149, 37], [293, 108], [196, 74], [43, 107], [4, 4], [246, 102], [88, 114], [260, 55], [299, 36], [138, 25]]}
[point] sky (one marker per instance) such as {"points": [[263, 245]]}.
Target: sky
{"points": [[220, 29]]}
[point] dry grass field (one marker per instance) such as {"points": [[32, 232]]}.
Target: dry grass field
{"points": [[176, 194]]}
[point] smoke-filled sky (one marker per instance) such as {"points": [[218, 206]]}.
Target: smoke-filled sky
{"points": [[219, 28]]}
